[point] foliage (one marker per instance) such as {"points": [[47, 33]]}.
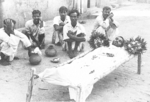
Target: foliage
{"points": [[98, 40], [135, 46]]}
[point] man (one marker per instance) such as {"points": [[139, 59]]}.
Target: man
{"points": [[105, 24], [58, 23], [35, 31], [118, 41], [74, 34], [9, 41]]}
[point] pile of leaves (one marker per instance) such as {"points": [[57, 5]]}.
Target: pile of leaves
{"points": [[98, 40], [135, 45]]}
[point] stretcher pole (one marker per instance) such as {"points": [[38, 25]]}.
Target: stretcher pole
{"points": [[139, 60], [30, 87]]}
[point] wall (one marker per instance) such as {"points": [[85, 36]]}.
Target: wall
{"points": [[1, 13], [21, 10]]}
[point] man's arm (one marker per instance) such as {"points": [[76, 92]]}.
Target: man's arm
{"points": [[58, 28], [72, 35]]}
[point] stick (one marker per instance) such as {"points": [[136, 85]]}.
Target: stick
{"points": [[79, 56], [78, 94], [139, 63], [30, 87]]}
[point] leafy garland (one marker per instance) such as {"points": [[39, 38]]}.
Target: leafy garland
{"points": [[98, 40], [135, 46]]}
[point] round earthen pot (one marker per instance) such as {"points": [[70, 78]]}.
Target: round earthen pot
{"points": [[34, 59], [51, 51]]}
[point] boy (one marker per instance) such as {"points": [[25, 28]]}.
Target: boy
{"points": [[58, 24]]}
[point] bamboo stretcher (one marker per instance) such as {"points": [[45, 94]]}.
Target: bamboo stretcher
{"points": [[82, 72]]}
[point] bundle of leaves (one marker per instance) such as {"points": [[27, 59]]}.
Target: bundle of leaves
{"points": [[135, 46], [98, 40]]}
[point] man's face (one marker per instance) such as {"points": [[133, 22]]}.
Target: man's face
{"points": [[36, 18], [106, 13], [118, 42], [63, 15], [74, 18], [9, 26]]}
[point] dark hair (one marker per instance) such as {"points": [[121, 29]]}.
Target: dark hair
{"points": [[36, 11], [106, 8], [122, 39], [62, 9], [9, 20], [74, 11]]}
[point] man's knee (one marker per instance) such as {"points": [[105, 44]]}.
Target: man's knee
{"points": [[41, 37]]}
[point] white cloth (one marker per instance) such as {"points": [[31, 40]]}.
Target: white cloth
{"points": [[85, 71], [9, 44], [78, 28], [37, 50]]}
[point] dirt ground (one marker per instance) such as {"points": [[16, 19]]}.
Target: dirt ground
{"points": [[122, 85]]}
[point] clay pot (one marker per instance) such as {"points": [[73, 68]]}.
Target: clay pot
{"points": [[51, 51], [34, 59]]}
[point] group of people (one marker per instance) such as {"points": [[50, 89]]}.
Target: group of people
{"points": [[67, 33]]}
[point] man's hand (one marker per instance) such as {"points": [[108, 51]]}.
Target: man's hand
{"points": [[93, 32], [41, 24], [34, 40], [111, 15], [81, 35], [61, 24], [71, 32]]}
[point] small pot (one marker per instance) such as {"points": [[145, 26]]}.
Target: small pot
{"points": [[34, 59], [51, 51]]}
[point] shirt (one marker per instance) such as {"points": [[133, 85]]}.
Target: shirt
{"points": [[101, 22], [58, 20], [34, 29], [79, 28]]}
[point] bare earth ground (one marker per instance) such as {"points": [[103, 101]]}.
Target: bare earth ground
{"points": [[122, 85]]}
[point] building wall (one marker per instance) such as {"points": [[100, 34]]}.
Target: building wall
{"points": [[1, 13], [21, 10]]}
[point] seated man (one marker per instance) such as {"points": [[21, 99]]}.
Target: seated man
{"points": [[9, 40], [35, 31], [58, 23], [105, 23], [74, 34]]}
